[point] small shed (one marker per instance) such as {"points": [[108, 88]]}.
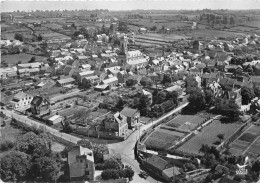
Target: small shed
{"points": [[55, 119]]}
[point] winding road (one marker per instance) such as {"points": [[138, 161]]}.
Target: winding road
{"points": [[125, 148]]}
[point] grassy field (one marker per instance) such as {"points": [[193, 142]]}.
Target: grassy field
{"points": [[255, 23], [208, 136], [159, 23], [23, 57], [9, 133], [162, 139], [213, 33]]}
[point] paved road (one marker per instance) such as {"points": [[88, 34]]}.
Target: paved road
{"points": [[31, 122], [126, 148]]}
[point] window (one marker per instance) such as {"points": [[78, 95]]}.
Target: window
{"points": [[81, 161], [86, 165], [86, 172]]}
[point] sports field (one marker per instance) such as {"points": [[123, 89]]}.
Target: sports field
{"points": [[187, 122]]}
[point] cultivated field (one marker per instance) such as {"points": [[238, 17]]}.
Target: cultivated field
{"points": [[161, 139], [23, 57], [54, 35], [247, 143], [208, 136]]}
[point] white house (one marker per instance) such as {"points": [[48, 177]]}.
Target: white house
{"points": [[21, 100]]}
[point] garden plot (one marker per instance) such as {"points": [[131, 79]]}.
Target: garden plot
{"points": [[161, 139], [208, 136], [247, 143]]}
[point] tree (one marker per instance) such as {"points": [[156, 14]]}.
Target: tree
{"points": [[161, 96], [166, 79], [99, 150], [153, 28], [73, 26], [144, 104], [14, 166], [196, 100], [233, 113], [189, 166], [39, 37], [33, 59], [19, 37], [116, 41], [247, 95], [109, 174], [112, 163], [120, 104], [34, 145], [128, 172], [45, 169], [209, 97], [122, 26], [232, 20], [221, 136]]}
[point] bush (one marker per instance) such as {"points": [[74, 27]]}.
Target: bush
{"points": [[109, 174], [112, 164], [99, 166], [6, 145]]}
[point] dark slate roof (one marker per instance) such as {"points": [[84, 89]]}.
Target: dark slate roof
{"points": [[158, 162], [128, 112], [37, 100]]}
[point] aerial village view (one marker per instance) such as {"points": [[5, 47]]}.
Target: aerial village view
{"points": [[130, 92]]}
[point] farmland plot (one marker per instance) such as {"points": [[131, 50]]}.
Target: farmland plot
{"points": [[208, 136]]}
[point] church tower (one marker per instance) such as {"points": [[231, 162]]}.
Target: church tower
{"points": [[124, 43]]}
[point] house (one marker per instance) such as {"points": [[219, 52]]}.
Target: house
{"points": [[8, 72], [132, 115], [30, 65], [24, 72], [208, 78], [81, 164], [21, 100], [65, 82], [117, 124], [84, 74], [122, 76], [170, 173], [110, 81], [34, 71], [86, 67], [175, 88], [156, 164], [40, 105], [93, 80], [227, 99], [227, 83], [133, 80]]}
